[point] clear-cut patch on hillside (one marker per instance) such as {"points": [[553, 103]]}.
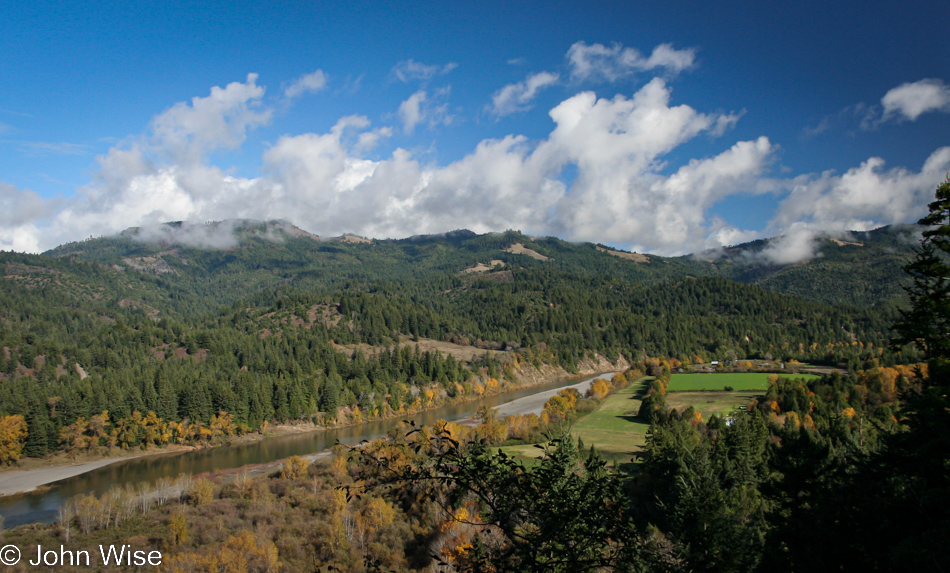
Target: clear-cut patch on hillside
{"points": [[841, 243], [483, 268], [352, 239], [635, 257], [520, 249], [156, 264]]}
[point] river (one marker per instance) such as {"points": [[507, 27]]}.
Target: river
{"points": [[42, 506]]}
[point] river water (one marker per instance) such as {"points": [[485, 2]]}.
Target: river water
{"points": [[42, 506]]}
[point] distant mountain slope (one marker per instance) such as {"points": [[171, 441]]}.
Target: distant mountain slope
{"points": [[864, 269], [199, 268], [249, 318], [205, 267]]}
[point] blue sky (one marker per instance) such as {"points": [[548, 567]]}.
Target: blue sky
{"points": [[663, 127]]}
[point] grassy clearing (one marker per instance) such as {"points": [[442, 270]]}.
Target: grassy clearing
{"points": [[709, 403], [717, 381], [613, 427], [618, 434]]}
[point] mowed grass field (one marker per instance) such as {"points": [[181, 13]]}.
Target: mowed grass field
{"points": [[709, 403], [718, 381], [613, 428]]}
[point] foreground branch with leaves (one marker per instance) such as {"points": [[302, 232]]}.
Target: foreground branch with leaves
{"points": [[562, 513]]}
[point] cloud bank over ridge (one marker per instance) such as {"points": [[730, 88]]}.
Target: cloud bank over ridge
{"points": [[625, 192]]}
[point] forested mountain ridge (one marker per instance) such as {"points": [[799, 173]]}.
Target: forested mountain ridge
{"points": [[864, 268], [219, 263], [253, 326]]}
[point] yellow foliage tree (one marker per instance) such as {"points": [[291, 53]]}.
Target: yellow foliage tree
{"points": [[294, 467], [222, 425], [599, 389], [379, 513], [153, 428], [12, 437], [697, 418], [201, 491], [241, 553], [338, 460], [74, 437], [177, 530]]}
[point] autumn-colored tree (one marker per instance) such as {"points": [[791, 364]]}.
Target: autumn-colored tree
{"points": [[457, 431], [241, 553], [97, 430], [153, 428], [87, 510], [294, 467], [73, 437], [379, 513], [599, 389], [12, 438], [523, 427], [222, 426], [183, 432], [128, 430], [201, 491], [178, 533], [561, 406], [491, 428], [338, 457]]}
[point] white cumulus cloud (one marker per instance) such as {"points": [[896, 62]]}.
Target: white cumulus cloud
{"points": [[516, 97], [421, 108], [21, 211], [411, 70], [220, 120], [911, 100], [307, 83], [625, 191], [411, 111], [861, 199], [599, 62]]}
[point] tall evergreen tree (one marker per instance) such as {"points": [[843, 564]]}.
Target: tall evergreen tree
{"points": [[927, 323]]}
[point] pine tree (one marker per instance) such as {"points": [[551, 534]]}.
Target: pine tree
{"points": [[927, 323]]}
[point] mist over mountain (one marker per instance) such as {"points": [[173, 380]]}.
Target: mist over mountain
{"points": [[862, 268]]}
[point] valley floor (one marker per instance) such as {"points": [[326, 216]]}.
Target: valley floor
{"points": [[33, 473]]}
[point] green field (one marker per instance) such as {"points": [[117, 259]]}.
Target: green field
{"points": [[612, 427], [616, 431], [709, 403], [718, 381]]}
